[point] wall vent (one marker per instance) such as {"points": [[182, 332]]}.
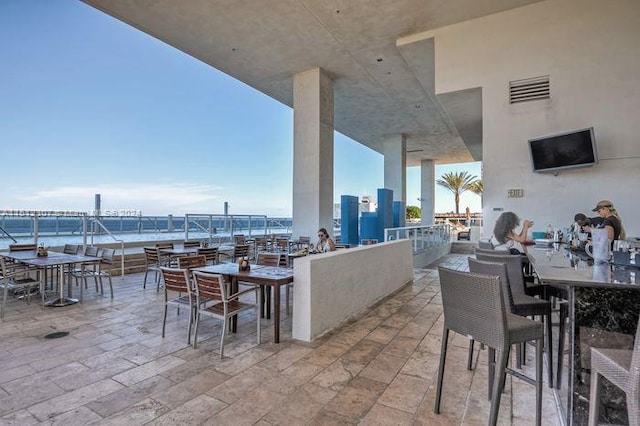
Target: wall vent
{"points": [[530, 89]]}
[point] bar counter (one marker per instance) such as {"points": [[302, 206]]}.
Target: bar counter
{"points": [[604, 305]]}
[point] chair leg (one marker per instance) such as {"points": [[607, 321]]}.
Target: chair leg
{"points": [[110, 285], [539, 345], [633, 407], [144, 282], [491, 361], [195, 330], [498, 385], [164, 319], [504, 374], [224, 331], [594, 398], [4, 299], [470, 356], [547, 319], [443, 356]]}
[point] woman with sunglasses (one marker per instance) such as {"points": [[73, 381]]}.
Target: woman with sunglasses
{"points": [[325, 243]]}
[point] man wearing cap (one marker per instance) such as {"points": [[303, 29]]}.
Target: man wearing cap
{"points": [[610, 220]]}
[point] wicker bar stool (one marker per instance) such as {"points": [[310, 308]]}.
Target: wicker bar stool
{"points": [[520, 303], [622, 368], [473, 305]]}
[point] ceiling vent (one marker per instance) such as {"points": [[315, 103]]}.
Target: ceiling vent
{"points": [[530, 89]]}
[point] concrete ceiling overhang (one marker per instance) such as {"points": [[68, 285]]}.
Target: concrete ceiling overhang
{"points": [[382, 86]]}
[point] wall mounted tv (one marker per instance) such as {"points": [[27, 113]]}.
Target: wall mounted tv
{"points": [[563, 151]]}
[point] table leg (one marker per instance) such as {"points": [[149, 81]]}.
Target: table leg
{"points": [[276, 313], [61, 301]]}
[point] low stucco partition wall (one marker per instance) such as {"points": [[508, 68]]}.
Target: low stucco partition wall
{"points": [[332, 287]]}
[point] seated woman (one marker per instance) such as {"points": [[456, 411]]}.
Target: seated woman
{"points": [[611, 221], [504, 236], [325, 243]]}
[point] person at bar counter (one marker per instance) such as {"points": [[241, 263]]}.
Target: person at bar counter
{"points": [[611, 221], [504, 236], [581, 222], [325, 243]]}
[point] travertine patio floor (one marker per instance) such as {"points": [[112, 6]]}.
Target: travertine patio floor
{"points": [[115, 368]]}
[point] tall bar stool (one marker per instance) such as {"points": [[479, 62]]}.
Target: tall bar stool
{"points": [[622, 368], [474, 305], [523, 304]]}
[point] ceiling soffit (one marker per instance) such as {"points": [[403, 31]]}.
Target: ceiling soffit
{"points": [[380, 89]]}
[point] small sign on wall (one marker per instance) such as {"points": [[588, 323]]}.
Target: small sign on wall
{"points": [[515, 193]]}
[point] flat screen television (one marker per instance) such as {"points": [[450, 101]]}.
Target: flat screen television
{"points": [[563, 151]]}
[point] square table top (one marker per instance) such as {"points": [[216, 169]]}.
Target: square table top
{"points": [[59, 259]]}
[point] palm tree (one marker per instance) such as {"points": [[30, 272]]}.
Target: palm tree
{"points": [[477, 187], [457, 182]]}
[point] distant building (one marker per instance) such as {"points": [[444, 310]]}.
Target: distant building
{"points": [[365, 205]]}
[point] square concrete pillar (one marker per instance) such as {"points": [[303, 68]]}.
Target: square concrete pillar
{"points": [[395, 166], [427, 191], [312, 153]]}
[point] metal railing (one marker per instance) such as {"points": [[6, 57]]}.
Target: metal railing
{"points": [[95, 223], [423, 237], [223, 227]]}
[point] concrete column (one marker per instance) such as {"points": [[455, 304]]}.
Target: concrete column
{"points": [[395, 166], [312, 153], [427, 191]]}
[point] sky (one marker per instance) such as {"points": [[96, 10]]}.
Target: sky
{"points": [[91, 105]]}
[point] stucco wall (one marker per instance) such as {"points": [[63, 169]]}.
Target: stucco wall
{"points": [[591, 51], [332, 287]]}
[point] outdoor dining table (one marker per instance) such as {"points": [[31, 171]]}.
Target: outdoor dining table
{"points": [[180, 251], [26, 254], [260, 275], [58, 260]]}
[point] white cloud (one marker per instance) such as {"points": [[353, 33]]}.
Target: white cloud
{"points": [[149, 198]]}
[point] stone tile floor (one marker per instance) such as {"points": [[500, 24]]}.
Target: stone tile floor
{"points": [[115, 368]]}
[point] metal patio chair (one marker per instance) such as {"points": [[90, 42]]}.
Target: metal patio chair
{"points": [[12, 280], [225, 305], [210, 253], [177, 280]]}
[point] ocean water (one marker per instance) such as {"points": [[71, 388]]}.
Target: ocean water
{"points": [[57, 231]]}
